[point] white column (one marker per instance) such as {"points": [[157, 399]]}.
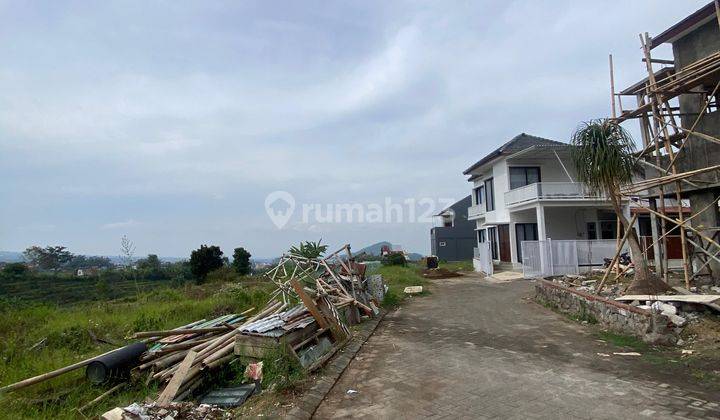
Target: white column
{"points": [[513, 241], [540, 215]]}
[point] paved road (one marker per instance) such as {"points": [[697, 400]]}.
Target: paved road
{"points": [[476, 349]]}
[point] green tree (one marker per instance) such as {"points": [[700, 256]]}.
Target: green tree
{"points": [[48, 258], [241, 261], [603, 155], [151, 268], [309, 249], [204, 260], [15, 269]]}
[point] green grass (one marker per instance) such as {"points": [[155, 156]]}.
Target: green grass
{"points": [[625, 341], [65, 330], [397, 278], [458, 265]]}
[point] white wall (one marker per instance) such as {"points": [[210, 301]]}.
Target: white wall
{"points": [[550, 169]]}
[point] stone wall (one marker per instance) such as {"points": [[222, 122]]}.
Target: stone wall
{"points": [[613, 315]]}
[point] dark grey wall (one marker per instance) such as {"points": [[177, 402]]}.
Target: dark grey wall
{"points": [[698, 153], [459, 239]]}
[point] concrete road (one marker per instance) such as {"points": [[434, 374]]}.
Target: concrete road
{"points": [[477, 349]]}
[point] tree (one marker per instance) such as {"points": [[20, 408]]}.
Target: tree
{"points": [[204, 260], [82, 261], [152, 262], [309, 249], [15, 269], [48, 258], [241, 261], [151, 268], [603, 156], [127, 251]]}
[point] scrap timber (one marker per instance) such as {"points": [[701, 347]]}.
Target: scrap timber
{"points": [[306, 318]]}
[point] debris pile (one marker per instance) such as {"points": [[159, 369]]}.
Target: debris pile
{"points": [[303, 319]]}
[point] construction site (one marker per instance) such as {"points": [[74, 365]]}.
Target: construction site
{"points": [[618, 318]]}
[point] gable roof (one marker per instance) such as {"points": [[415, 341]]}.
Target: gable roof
{"points": [[685, 26], [463, 203], [518, 143]]}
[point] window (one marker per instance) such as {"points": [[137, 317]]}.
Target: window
{"points": [[521, 176], [524, 232], [492, 233], [608, 225], [479, 193], [591, 230], [489, 195], [481, 235]]}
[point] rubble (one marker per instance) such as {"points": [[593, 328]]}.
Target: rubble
{"points": [[301, 319]]}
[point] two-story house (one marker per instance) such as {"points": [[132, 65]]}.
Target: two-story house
{"points": [[454, 238], [527, 190]]}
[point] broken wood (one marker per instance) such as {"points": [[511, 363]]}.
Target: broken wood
{"points": [[177, 380]]}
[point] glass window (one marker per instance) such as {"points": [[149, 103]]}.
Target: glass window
{"points": [[522, 176], [481, 235], [524, 232], [591, 230], [489, 195], [479, 194], [492, 233]]}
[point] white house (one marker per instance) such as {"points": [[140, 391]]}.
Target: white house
{"points": [[527, 190]]}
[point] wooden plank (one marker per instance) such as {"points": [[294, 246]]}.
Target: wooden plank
{"points": [[309, 304], [177, 380], [672, 298]]}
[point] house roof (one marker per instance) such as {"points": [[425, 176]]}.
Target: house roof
{"points": [[682, 28], [518, 143], [450, 207]]}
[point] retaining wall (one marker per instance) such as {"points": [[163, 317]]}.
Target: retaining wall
{"points": [[613, 315]]}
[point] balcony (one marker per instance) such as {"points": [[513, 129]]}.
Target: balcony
{"points": [[556, 191], [476, 211]]}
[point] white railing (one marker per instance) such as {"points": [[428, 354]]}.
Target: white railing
{"points": [[476, 210], [553, 258], [549, 191], [482, 260]]}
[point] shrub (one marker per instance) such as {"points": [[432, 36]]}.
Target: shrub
{"points": [[15, 269], [394, 259]]}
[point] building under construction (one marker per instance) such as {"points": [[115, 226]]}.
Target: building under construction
{"points": [[676, 106]]}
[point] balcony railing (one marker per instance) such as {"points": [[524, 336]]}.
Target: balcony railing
{"points": [[476, 210], [549, 191]]}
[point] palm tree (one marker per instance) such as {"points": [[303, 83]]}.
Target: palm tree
{"points": [[603, 155]]}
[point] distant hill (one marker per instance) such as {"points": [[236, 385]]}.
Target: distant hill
{"points": [[10, 256], [376, 248]]}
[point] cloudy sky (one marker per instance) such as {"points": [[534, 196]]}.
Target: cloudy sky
{"points": [[170, 122]]}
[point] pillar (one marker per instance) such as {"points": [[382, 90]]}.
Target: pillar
{"points": [[710, 218]]}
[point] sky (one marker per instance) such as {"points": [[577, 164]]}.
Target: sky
{"points": [[171, 122]]}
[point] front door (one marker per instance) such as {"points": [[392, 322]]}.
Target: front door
{"points": [[504, 239]]}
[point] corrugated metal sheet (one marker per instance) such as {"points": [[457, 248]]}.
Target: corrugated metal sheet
{"points": [[278, 324]]}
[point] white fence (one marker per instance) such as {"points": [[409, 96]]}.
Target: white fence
{"points": [[552, 258], [483, 258]]}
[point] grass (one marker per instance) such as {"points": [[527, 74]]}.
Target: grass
{"points": [[67, 340], [66, 334], [397, 278], [466, 265]]}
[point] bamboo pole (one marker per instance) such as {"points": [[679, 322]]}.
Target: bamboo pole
{"points": [[49, 375], [617, 253], [612, 88], [656, 99]]}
